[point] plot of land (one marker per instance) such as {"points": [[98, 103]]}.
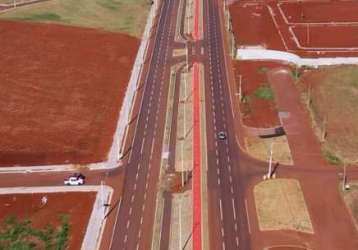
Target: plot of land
{"points": [[259, 148], [77, 206], [351, 200], [320, 11], [128, 16], [61, 92], [303, 27], [280, 205], [334, 102], [258, 104]]}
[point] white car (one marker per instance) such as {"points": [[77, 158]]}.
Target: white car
{"points": [[222, 135], [74, 180]]}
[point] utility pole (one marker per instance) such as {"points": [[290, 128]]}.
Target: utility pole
{"points": [[240, 87], [269, 173], [344, 183]]}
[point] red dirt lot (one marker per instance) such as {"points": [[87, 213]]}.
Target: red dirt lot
{"points": [[77, 205], [320, 11], [311, 37], [61, 91], [261, 29], [262, 113], [264, 23]]}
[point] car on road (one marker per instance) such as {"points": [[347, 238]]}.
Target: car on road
{"points": [[75, 180], [222, 135]]}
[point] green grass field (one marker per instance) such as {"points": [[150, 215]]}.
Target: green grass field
{"points": [[128, 16]]}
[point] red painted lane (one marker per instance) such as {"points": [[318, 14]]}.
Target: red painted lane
{"points": [[196, 160], [196, 141], [196, 20]]}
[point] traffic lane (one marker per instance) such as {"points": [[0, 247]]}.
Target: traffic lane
{"points": [[138, 167]]}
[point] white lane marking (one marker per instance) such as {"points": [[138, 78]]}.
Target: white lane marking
{"points": [[221, 210], [233, 208], [130, 211], [132, 198], [151, 151], [125, 238], [128, 223], [142, 147], [248, 218]]}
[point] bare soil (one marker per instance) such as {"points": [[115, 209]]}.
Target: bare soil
{"points": [[333, 93], [261, 29], [257, 112], [61, 91], [77, 205], [320, 11], [311, 23]]}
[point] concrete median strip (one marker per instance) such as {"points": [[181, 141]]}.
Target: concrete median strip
{"points": [[96, 221], [158, 217]]}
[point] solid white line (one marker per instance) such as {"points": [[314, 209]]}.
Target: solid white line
{"points": [[233, 208], [248, 218], [142, 147]]}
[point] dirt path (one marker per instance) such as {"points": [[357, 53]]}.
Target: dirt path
{"points": [[305, 148]]}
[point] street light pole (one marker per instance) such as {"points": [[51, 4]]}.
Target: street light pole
{"points": [[344, 183], [270, 163]]}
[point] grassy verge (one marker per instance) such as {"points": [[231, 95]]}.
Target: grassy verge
{"points": [[280, 205], [330, 95], [351, 199], [128, 16]]}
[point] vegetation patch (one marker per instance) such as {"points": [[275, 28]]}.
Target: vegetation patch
{"points": [[20, 234], [280, 205], [128, 16], [259, 148], [264, 92], [331, 96], [42, 17], [351, 199]]}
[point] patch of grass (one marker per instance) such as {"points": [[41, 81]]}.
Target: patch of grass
{"points": [[264, 92], [128, 16], [17, 234], [351, 199], [331, 158], [46, 16], [280, 205], [109, 4]]}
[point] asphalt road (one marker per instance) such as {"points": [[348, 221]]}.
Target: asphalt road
{"points": [[227, 214], [133, 227]]}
